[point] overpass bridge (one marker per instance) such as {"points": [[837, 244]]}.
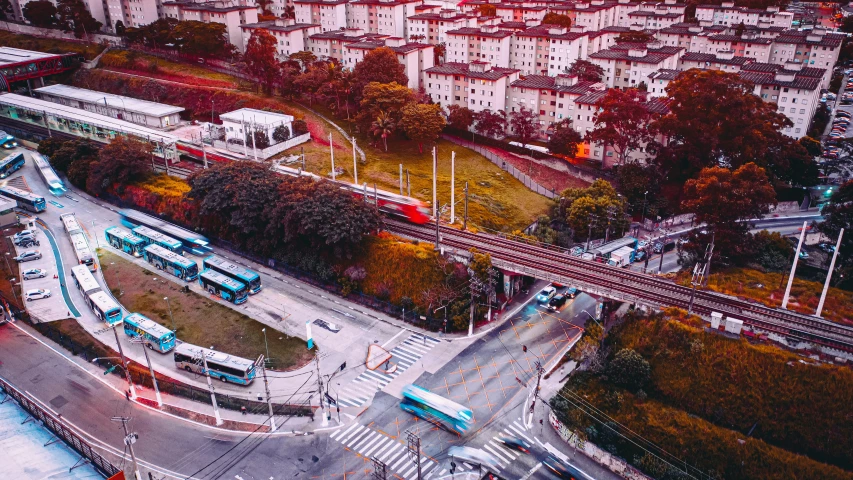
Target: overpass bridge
{"points": [[557, 265]]}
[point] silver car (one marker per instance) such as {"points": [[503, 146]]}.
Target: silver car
{"points": [[475, 456], [28, 255], [34, 273]]}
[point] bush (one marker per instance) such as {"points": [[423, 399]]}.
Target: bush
{"points": [[628, 369]]}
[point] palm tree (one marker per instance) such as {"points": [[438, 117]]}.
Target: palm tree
{"points": [[382, 127]]}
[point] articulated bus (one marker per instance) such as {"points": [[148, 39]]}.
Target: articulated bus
{"points": [[227, 368], [101, 303], [11, 164], [125, 241], [153, 237], [196, 243], [54, 183], [163, 259], [218, 284], [78, 240], [26, 200], [232, 270], [434, 408], [84, 280], [156, 336]]}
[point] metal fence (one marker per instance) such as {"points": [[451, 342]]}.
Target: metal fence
{"points": [[60, 429], [507, 167]]}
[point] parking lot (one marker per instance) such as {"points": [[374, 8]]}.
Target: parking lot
{"points": [[44, 309]]}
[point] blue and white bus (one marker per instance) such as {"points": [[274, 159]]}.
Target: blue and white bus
{"points": [[78, 240], [101, 303], [153, 237], [26, 200], [218, 284], [436, 409], [195, 243], [156, 336], [54, 183], [84, 280], [7, 141], [125, 241], [163, 259], [227, 368], [11, 164], [243, 275]]}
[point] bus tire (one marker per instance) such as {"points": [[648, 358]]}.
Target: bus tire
{"points": [[224, 380], [158, 266], [187, 368], [211, 290]]}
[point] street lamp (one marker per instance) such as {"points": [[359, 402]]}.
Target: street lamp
{"points": [[170, 313], [141, 341], [645, 195], [264, 330]]}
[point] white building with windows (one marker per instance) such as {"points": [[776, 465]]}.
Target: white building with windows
{"points": [[485, 44], [329, 14], [290, 37], [476, 85]]}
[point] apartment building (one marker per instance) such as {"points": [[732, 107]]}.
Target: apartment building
{"points": [[329, 14], [745, 45], [629, 64], [435, 25], [487, 44], [415, 57], [659, 80], [546, 49], [722, 61], [131, 13], [331, 44], [729, 14], [795, 93], [520, 12], [290, 37], [553, 97], [217, 11], [476, 85], [654, 19], [386, 17], [816, 48]]}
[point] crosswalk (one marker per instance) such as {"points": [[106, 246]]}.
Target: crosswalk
{"points": [[363, 387], [504, 455]]}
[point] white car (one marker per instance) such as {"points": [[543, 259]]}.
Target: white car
{"points": [[24, 233], [36, 294], [28, 255], [475, 456], [546, 294], [34, 273]]}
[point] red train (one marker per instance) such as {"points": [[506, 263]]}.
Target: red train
{"points": [[413, 210]]}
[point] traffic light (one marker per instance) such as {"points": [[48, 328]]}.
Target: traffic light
{"points": [[524, 348]]}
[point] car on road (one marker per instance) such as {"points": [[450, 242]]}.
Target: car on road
{"points": [[515, 443], [577, 251], [36, 294], [546, 294], [34, 273], [571, 292], [557, 302], [826, 247], [28, 255], [475, 456], [639, 255], [561, 469], [327, 325]]}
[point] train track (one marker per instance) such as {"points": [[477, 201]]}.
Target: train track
{"points": [[638, 287]]}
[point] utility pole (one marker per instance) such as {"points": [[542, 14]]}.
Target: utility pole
{"points": [[465, 218], [434, 183], [267, 388], [379, 469], [794, 267], [452, 187], [829, 274], [210, 386], [124, 363], [332, 150], [302, 149], [414, 447], [699, 274], [473, 307], [325, 422], [663, 251], [354, 163], [539, 372], [401, 179], [141, 341], [129, 440], [408, 184], [437, 233]]}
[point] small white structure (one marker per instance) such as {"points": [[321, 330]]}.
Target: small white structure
{"points": [[734, 325], [240, 123], [716, 320]]}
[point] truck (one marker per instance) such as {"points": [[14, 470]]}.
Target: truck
{"points": [[622, 257]]}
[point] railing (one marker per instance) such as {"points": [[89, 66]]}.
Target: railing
{"points": [[60, 429]]}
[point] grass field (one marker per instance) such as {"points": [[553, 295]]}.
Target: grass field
{"points": [[167, 70], [198, 320], [49, 45]]}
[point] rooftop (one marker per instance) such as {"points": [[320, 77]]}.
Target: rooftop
{"points": [[546, 82], [452, 68], [652, 55], [711, 58], [664, 74], [271, 26], [258, 117], [479, 32], [117, 101], [800, 82], [9, 55]]}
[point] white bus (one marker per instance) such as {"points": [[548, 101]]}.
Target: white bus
{"points": [[84, 280], [101, 303], [227, 368], [77, 237]]}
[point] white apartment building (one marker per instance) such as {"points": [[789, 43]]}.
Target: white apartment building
{"points": [[435, 25], [520, 12], [386, 17], [746, 45], [552, 97], [654, 19], [476, 85], [722, 61], [546, 49], [486, 44], [795, 94], [218, 11], [659, 80], [628, 65], [331, 44], [729, 14], [329, 14], [816, 48], [290, 37], [415, 57], [132, 13]]}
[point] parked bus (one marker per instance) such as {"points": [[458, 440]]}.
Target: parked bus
{"points": [[163, 259], [156, 336], [101, 303], [153, 237], [434, 408], [125, 241], [196, 243], [84, 280], [243, 275], [26, 200], [11, 164], [54, 183], [229, 289], [227, 368], [7, 141], [78, 240]]}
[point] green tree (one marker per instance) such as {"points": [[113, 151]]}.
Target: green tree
{"points": [[590, 342], [383, 97], [552, 18], [260, 58], [812, 146], [69, 152], [634, 36], [299, 127], [281, 133], [487, 10], [586, 70], [203, 39], [261, 142], [122, 161], [422, 123], [770, 250], [50, 145], [622, 123], [491, 124], [121, 30], [305, 59], [629, 369], [40, 13], [311, 81], [378, 66], [383, 127], [598, 206], [846, 24], [73, 16], [7, 12], [460, 118], [158, 33], [524, 124], [565, 139], [838, 214], [641, 186]]}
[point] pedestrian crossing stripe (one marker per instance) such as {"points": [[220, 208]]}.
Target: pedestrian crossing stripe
{"points": [[362, 388]]}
